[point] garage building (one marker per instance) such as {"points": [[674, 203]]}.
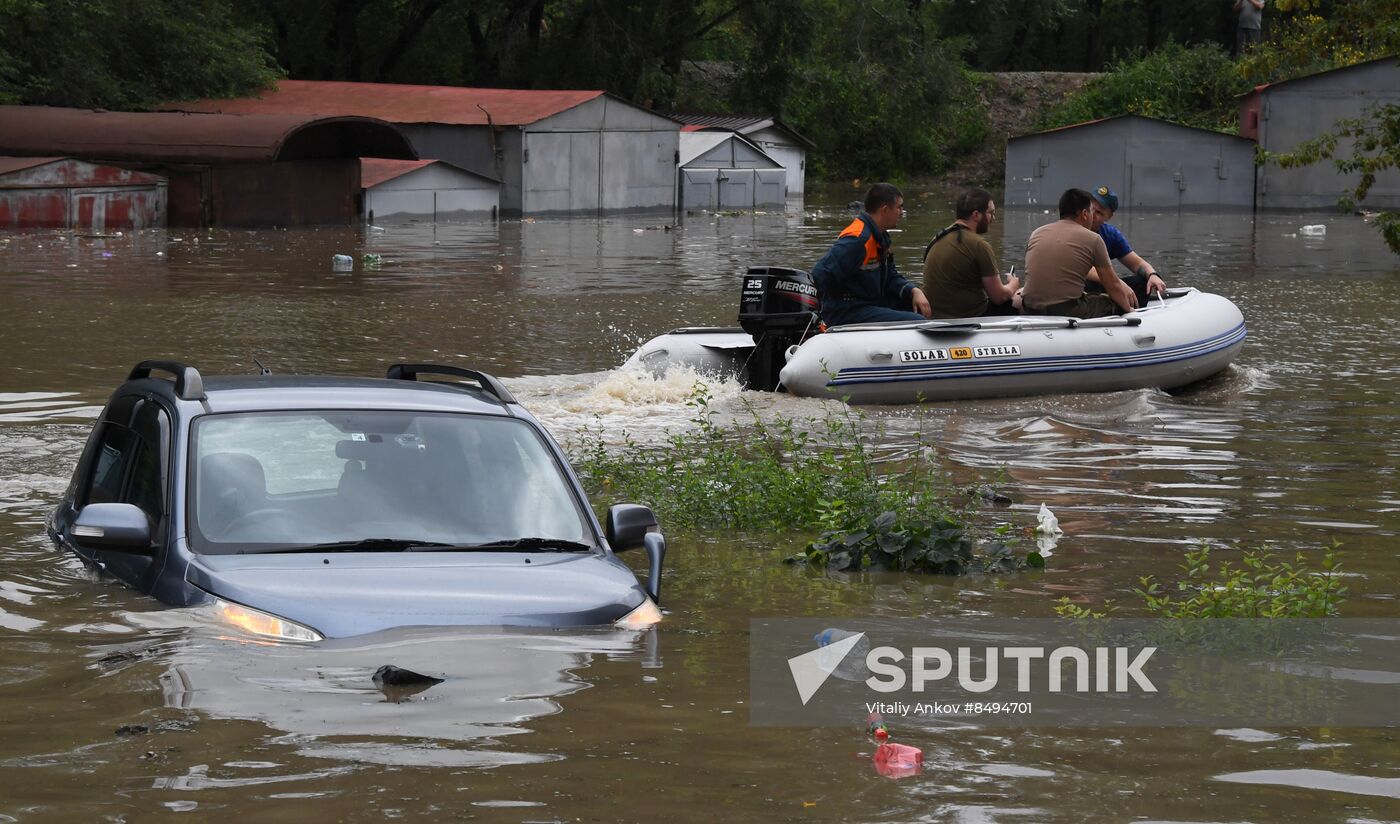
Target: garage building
{"points": [[1149, 162], [553, 151], [720, 171], [1282, 115], [773, 137], [426, 189], [222, 170], [63, 193]]}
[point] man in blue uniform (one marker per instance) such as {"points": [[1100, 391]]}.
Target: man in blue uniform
{"points": [[1144, 279], [857, 279]]}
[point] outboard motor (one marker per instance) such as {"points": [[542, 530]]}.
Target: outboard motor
{"points": [[778, 307]]}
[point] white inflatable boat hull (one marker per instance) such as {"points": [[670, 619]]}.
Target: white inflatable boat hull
{"points": [[711, 351], [1186, 338]]}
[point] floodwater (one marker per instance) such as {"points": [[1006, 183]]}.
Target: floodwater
{"points": [[117, 709]]}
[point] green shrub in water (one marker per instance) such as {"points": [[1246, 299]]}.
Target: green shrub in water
{"points": [[938, 545], [877, 508], [1260, 586]]}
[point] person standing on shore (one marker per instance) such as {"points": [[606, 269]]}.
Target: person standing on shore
{"points": [[1251, 24]]}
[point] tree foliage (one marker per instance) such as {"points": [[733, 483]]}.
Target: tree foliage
{"points": [[883, 87], [126, 54], [1195, 86], [1309, 36], [1078, 35]]}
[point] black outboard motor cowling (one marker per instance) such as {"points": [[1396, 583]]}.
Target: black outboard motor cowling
{"points": [[778, 307]]}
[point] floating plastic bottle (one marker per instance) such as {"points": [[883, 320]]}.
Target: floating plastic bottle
{"points": [[876, 729], [1313, 230], [372, 260], [848, 667], [342, 263]]}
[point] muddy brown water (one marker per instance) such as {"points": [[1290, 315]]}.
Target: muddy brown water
{"points": [[1293, 447]]}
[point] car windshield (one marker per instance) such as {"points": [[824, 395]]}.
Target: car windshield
{"points": [[279, 481]]}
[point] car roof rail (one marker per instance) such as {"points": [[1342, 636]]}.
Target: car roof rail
{"points": [[489, 383], [189, 385]]}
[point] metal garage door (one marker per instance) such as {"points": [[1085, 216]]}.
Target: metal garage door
{"points": [[736, 188], [700, 189]]}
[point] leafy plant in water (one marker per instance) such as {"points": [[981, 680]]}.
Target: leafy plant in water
{"points": [[938, 545], [1259, 586], [772, 473]]}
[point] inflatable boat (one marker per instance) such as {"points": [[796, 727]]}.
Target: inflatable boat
{"points": [[1175, 340]]}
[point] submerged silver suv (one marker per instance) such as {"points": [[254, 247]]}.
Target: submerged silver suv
{"points": [[312, 507]]}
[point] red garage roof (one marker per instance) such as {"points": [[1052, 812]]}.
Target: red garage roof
{"points": [[193, 138], [376, 170], [402, 103], [16, 164]]}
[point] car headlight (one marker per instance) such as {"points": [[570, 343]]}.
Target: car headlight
{"points": [[262, 623], [646, 614]]}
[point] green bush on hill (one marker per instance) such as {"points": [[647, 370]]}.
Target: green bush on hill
{"points": [[1194, 86]]}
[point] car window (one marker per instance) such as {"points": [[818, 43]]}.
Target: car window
{"points": [[297, 452], [114, 453], [145, 490], [269, 480]]}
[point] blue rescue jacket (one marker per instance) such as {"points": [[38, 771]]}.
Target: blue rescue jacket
{"points": [[858, 270]]}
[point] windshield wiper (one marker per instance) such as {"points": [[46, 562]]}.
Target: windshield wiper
{"points": [[370, 545], [538, 544]]}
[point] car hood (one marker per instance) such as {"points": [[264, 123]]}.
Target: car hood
{"points": [[342, 594]]}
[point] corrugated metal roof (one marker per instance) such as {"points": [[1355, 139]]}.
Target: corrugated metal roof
{"points": [[194, 138], [376, 170], [15, 164], [1267, 86], [733, 123], [738, 123], [402, 103], [1157, 120]]}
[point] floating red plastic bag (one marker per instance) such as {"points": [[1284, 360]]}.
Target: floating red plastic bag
{"points": [[898, 760]]}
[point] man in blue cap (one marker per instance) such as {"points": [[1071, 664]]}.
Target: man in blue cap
{"points": [[1144, 279]]}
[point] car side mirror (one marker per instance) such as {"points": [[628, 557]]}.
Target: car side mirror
{"points": [[120, 527], [628, 525]]}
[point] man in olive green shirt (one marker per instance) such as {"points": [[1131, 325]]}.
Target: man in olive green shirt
{"points": [[960, 270]]}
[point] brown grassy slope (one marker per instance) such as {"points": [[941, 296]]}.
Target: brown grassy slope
{"points": [[1014, 102]]}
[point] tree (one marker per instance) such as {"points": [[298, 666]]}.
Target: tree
{"points": [[126, 54], [1309, 36], [1194, 86]]}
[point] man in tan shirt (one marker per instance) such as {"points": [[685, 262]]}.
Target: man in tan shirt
{"points": [[1059, 256]]}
